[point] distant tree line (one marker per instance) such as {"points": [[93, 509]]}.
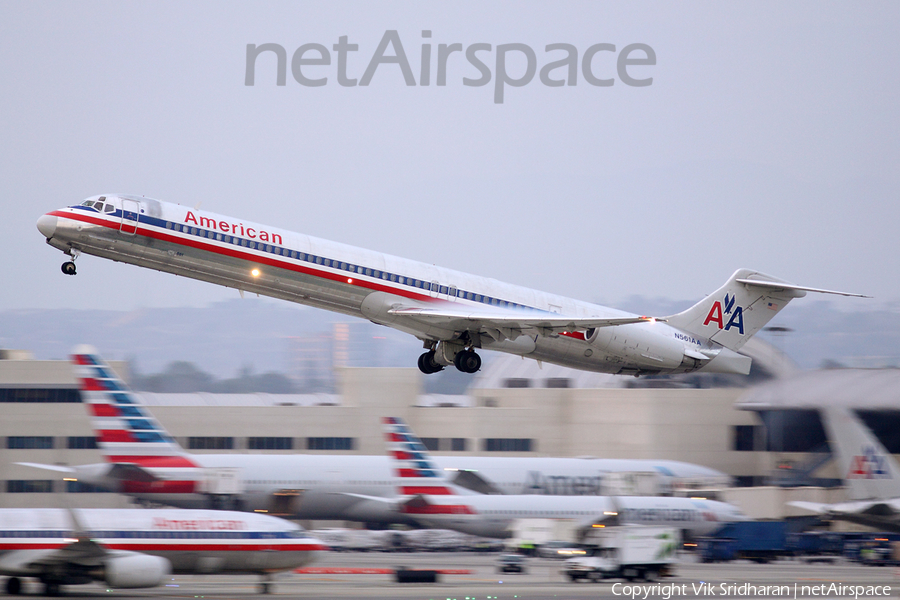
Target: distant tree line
{"points": [[185, 377]]}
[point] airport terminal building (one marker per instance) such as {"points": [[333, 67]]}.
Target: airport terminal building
{"points": [[759, 436]]}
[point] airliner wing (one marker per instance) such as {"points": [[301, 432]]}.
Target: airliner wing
{"points": [[57, 468], [509, 320]]}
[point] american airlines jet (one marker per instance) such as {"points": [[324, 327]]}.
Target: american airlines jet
{"points": [[138, 548], [145, 462], [425, 494], [870, 473], [452, 313]]}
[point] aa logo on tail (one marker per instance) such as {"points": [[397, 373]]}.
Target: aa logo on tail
{"points": [[718, 311], [868, 465]]}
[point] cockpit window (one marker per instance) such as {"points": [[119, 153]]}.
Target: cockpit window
{"points": [[88, 203], [109, 208], [98, 206]]}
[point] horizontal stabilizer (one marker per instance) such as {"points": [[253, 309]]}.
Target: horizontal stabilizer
{"points": [[788, 286], [57, 468]]}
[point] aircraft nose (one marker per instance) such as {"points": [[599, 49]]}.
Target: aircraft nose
{"points": [[47, 225]]}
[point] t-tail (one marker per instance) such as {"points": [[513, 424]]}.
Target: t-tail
{"points": [[127, 435], [868, 469], [736, 311]]}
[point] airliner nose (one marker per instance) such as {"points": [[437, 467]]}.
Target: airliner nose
{"points": [[47, 225]]}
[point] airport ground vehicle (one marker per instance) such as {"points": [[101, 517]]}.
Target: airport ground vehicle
{"points": [[511, 563], [759, 541], [630, 552]]}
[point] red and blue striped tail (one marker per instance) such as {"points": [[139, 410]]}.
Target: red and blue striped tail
{"points": [[125, 431], [417, 472]]}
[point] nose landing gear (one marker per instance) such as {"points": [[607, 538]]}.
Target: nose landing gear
{"points": [[68, 267]]}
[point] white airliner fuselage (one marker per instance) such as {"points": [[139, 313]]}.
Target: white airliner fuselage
{"points": [[425, 494], [453, 313], [133, 548]]}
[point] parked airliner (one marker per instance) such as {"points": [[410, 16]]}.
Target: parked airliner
{"points": [[138, 548], [871, 474], [452, 313], [144, 461], [427, 496]]}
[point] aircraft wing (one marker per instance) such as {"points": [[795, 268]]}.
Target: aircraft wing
{"points": [[57, 468], [509, 323]]}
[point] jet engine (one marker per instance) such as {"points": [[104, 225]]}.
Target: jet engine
{"points": [[638, 344], [136, 570]]}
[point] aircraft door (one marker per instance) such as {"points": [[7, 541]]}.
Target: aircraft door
{"points": [[130, 211]]}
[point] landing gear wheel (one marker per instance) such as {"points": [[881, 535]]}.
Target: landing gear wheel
{"points": [[427, 364], [467, 361], [68, 268], [13, 586]]}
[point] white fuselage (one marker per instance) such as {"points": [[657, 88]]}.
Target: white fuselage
{"points": [[492, 516], [192, 541], [357, 282], [330, 486]]}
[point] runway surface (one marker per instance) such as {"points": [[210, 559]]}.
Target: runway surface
{"points": [[542, 581]]}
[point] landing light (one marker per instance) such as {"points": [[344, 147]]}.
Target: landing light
{"points": [[255, 272], [610, 513], [349, 280], [69, 479]]}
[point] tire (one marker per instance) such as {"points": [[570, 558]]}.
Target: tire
{"points": [[467, 361], [13, 586]]}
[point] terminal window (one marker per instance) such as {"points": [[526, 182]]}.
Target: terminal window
{"points": [[29, 442], [270, 443], [79, 487], [39, 395], [212, 443], [81, 442], [29, 486], [744, 436], [508, 445], [431, 444], [329, 443]]}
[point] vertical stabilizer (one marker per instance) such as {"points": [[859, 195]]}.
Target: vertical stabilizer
{"points": [[736, 311], [868, 470], [416, 472], [126, 433]]}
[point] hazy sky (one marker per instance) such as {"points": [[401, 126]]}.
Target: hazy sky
{"points": [[768, 139]]}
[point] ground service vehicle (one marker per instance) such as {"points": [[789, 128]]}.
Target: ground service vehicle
{"points": [[630, 552], [759, 541]]}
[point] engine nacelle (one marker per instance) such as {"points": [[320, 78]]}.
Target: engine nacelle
{"points": [[136, 571], [639, 345]]}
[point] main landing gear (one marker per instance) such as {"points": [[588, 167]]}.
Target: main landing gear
{"points": [[427, 363], [434, 360]]}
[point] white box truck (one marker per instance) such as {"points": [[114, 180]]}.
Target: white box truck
{"points": [[630, 552]]}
